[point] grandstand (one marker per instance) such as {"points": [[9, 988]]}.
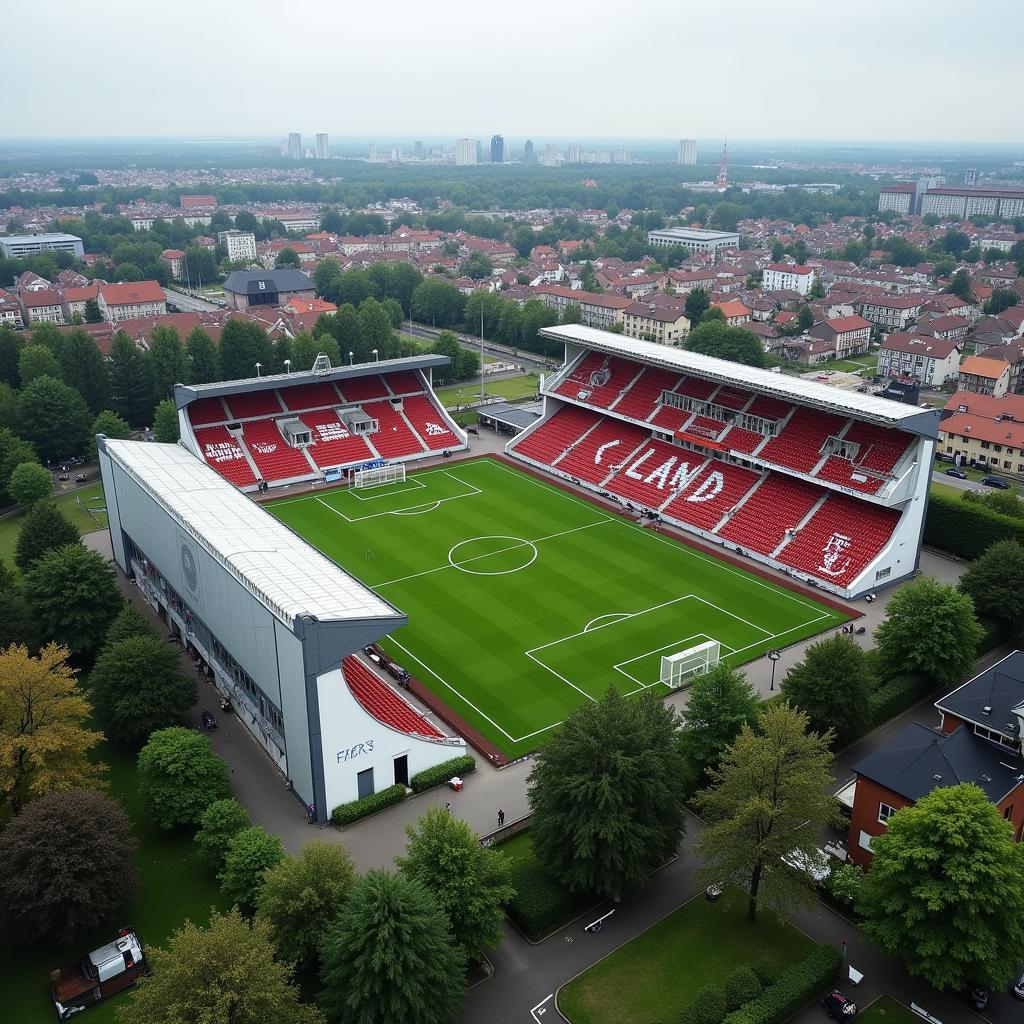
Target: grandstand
{"points": [[289, 428], [825, 485]]}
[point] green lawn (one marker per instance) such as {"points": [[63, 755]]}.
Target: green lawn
{"points": [[975, 475], [658, 974], [887, 1011], [75, 505], [524, 601], [175, 885], [511, 388]]}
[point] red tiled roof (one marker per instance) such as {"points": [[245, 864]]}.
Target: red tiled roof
{"points": [[843, 324], [791, 268], [42, 297], [919, 344], [132, 293]]}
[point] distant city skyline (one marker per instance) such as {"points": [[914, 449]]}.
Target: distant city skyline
{"points": [[828, 74]]}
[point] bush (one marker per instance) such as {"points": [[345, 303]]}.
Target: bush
{"points": [[441, 773], [250, 854], [540, 904], [345, 814], [741, 987], [708, 1006], [967, 529], [792, 990], [896, 695], [844, 885], [219, 824]]}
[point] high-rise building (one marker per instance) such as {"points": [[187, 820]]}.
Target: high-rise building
{"points": [[497, 149], [529, 156], [294, 146], [622, 156], [687, 151], [552, 155], [480, 155], [417, 150], [371, 152], [322, 148], [465, 152], [574, 152], [971, 176]]}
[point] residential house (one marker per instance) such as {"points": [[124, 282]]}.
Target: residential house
{"points": [[734, 311], [890, 312], [596, 309], [10, 311], [682, 282], [76, 298], [929, 361], [788, 276], [984, 431], [848, 335], [952, 328], [661, 322], [984, 376], [41, 306], [175, 260], [132, 300]]}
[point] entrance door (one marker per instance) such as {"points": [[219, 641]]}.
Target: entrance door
{"points": [[402, 770], [364, 782]]}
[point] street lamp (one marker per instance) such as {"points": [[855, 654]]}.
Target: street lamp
{"points": [[259, 366], [376, 357], [773, 657], [287, 366], [351, 356]]}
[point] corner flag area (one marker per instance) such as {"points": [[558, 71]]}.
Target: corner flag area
{"points": [[524, 601]]}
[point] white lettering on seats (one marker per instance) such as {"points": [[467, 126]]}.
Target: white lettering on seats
{"points": [[332, 431], [263, 448], [832, 551], [222, 451], [600, 451], [632, 471], [435, 429], [683, 476], [709, 489], [660, 475]]}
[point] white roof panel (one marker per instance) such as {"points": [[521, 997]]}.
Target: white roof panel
{"points": [[286, 573], [779, 385]]}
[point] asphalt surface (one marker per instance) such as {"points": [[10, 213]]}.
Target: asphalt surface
{"points": [[189, 303]]}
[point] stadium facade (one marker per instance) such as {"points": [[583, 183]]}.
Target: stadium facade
{"points": [[827, 486], [274, 625]]}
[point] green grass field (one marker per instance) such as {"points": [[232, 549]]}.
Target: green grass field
{"points": [[524, 601], [81, 506]]}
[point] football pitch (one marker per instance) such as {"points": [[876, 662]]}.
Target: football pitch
{"points": [[524, 601]]}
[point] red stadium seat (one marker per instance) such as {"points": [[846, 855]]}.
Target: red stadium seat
{"points": [[650, 476], [606, 446], [550, 440], [254, 403], [310, 396], [798, 445], [220, 449], [274, 457], [711, 493], [333, 445], [363, 389], [404, 382], [379, 700], [620, 372], [640, 401], [429, 423], [207, 410], [394, 439], [778, 505]]}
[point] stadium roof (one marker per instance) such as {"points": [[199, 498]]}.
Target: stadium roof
{"points": [[778, 385], [288, 575]]}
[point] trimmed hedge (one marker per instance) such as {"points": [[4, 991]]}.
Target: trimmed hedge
{"points": [[541, 904], [792, 990], [897, 694], [441, 773], [965, 528], [345, 814]]}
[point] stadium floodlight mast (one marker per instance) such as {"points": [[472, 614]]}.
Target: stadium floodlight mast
{"points": [[376, 356], [351, 358], [259, 366], [773, 656], [481, 352]]}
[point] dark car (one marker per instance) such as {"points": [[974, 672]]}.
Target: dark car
{"points": [[80, 478], [995, 481], [209, 722], [839, 1006], [1017, 985], [958, 473], [978, 998]]}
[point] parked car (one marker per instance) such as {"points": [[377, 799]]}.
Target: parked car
{"points": [[958, 473], [816, 866], [1017, 986], [978, 998], [208, 720], [995, 481], [839, 1006]]}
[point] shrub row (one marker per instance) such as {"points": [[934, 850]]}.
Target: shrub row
{"points": [[345, 814], [967, 529], [541, 904], [440, 773], [897, 694], [793, 989]]}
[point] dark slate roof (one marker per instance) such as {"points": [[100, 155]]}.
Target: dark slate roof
{"points": [[918, 759], [287, 279], [1000, 689]]}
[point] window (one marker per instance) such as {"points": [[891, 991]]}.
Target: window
{"points": [[1008, 813], [864, 841], [885, 812]]}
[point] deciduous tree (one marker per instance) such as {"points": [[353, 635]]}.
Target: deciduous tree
{"points": [[218, 825], [44, 528], [696, 305], [180, 776], [725, 342], [768, 797], [84, 369], [242, 345], [946, 890], [130, 390], [390, 957], [111, 426], [250, 854], [202, 363], [995, 583], [30, 483], [37, 361], [128, 624], [607, 794], [165, 423], [54, 418]]}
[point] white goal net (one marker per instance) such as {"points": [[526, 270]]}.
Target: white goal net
{"points": [[378, 475], [678, 669]]}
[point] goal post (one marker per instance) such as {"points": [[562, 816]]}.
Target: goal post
{"points": [[376, 476], [678, 669]]}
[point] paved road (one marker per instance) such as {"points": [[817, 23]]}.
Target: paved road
{"points": [[189, 303]]}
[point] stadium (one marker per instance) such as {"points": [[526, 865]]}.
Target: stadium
{"points": [[665, 510]]}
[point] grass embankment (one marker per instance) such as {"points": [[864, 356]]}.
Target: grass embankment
{"points": [[74, 505], [510, 388]]}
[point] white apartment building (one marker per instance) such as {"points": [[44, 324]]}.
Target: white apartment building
{"points": [[930, 361], [241, 245], [890, 312], [964, 203], [694, 239], [897, 197], [687, 152], [789, 276], [574, 153], [15, 247], [132, 300], [322, 149], [465, 152]]}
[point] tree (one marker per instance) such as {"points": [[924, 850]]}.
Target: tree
{"points": [[390, 958], [44, 528], [302, 895], [66, 863], [805, 318], [468, 881], [137, 685], [832, 686], [128, 624], [697, 302], [1006, 503], [572, 314], [226, 972], [725, 342], [995, 582], [165, 422], [111, 426], [778, 251], [180, 776], [202, 364], [305, 349], [394, 311], [54, 418], [250, 854], [166, 361], [44, 745], [37, 361], [477, 266], [10, 354], [726, 216], [1000, 299], [817, 289], [72, 593], [929, 628], [243, 344], [13, 452], [218, 825], [130, 392], [719, 704], [92, 312], [287, 257], [29, 483], [607, 795], [946, 890], [84, 369], [588, 278], [375, 330], [961, 286], [769, 796], [438, 302]]}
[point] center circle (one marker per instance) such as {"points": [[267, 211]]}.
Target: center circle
{"points": [[496, 545]]}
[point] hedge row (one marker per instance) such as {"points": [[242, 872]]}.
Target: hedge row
{"points": [[897, 694], [440, 773], [967, 529], [541, 904], [345, 814], [793, 989]]}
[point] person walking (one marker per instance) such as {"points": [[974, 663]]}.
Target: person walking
{"points": [[501, 818], [448, 806]]}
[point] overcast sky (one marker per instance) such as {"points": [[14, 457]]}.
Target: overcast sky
{"points": [[548, 69]]}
